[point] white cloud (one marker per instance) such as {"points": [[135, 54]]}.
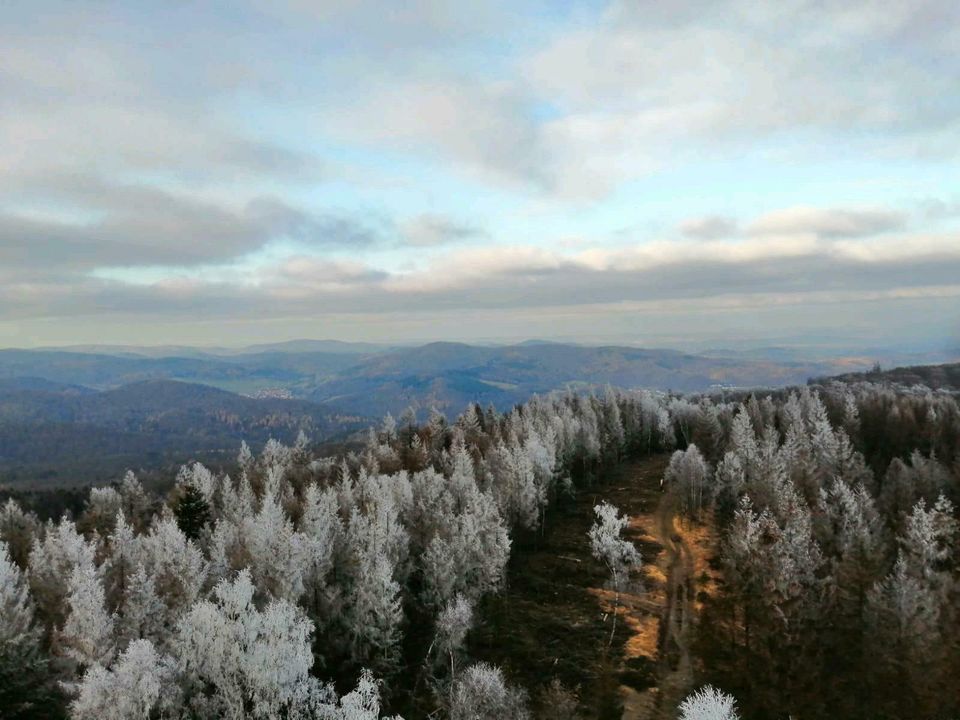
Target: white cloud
{"points": [[827, 222]]}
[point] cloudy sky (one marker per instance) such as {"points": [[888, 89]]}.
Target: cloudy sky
{"points": [[657, 173]]}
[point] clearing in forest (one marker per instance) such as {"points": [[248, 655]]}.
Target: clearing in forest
{"points": [[553, 619]]}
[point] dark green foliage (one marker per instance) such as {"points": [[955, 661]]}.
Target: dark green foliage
{"points": [[192, 512], [28, 688]]}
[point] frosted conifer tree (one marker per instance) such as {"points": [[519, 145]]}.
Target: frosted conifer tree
{"points": [[177, 567], [51, 565], [26, 686], [87, 635], [277, 552], [241, 662], [136, 688], [18, 530], [141, 612]]}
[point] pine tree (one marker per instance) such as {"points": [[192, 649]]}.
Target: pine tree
{"points": [[241, 662], [138, 686], [87, 636], [192, 511], [142, 611], [27, 687], [18, 530]]}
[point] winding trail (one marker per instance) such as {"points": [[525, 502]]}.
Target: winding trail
{"points": [[553, 619], [675, 671], [672, 588]]}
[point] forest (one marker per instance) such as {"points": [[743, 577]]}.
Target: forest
{"points": [[357, 586]]}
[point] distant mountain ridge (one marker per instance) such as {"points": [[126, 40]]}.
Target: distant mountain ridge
{"points": [[57, 434], [355, 379], [77, 417], [449, 375]]}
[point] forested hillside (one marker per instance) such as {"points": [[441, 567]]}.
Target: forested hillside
{"points": [[54, 435], [351, 586], [936, 377], [370, 380], [84, 415]]}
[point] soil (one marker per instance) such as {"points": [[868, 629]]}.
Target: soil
{"points": [[554, 618]]}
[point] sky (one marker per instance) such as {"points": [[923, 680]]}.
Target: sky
{"points": [[725, 173]]}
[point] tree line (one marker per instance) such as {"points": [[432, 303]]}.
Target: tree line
{"points": [[337, 587], [233, 596], [836, 509]]}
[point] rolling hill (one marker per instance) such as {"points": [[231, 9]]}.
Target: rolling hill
{"points": [[69, 417], [57, 434], [936, 377], [450, 375]]}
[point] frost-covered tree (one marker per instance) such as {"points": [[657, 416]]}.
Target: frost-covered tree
{"points": [[929, 540], [708, 703], [18, 530], [241, 662], [139, 686], [277, 552], [688, 477], [362, 703], [16, 608], [87, 636], [481, 693], [321, 528], [123, 556], [51, 564], [905, 638], [101, 511], [177, 566], [855, 540], [134, 500], [619, 556], [26, 686], [372, 613], [453, 624], [141, 612]]}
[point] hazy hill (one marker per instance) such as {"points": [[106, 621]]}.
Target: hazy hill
{"points": [[241, 373], [937, 377], [62, 436], [449, 375], [336, 347], [442, 375]]}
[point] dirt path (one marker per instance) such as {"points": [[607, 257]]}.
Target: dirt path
{"points": [[672, 579], [675, 671], [553, 619]]}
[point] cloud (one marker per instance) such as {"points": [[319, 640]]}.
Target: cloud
{"points": [[831, 223], [519, 277], [939, 209], [602, 102], [710, 227], [429, 229], [269, 169], [135, 225], [485, 127]]}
